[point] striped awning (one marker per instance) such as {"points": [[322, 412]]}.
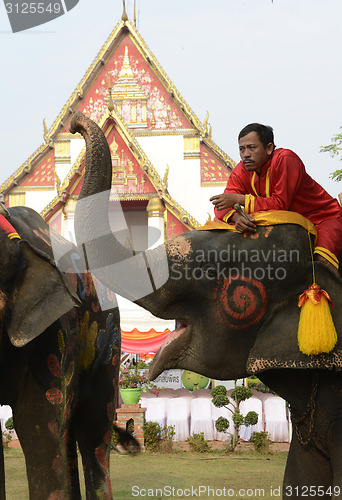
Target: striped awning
{"points": [[138, 342]]}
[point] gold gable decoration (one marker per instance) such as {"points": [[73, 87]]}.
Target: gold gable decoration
{"points": [[130, 100], [103, 54]]}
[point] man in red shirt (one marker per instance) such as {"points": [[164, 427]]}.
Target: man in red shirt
{"points": [[275, 179]]}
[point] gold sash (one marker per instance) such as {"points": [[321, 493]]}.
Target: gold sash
{"points": [[269, 218]]}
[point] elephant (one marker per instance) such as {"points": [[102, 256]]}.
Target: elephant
{"points": [[235, 315], [59, 362]]}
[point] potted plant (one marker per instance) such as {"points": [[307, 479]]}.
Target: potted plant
{"points": [[132, 382]]}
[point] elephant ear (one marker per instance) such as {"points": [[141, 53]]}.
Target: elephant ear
{"points": [[40, 297], [276, 344]]}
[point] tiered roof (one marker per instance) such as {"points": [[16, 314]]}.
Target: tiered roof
{"points": [[126, 66]]}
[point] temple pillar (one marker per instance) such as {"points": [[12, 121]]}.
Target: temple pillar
{"points": [[133, 111], [143, 112], [68, 222], [155, 213]]}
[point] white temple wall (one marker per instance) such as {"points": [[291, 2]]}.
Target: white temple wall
{"points": [[184, 179], [38, 200], [62, 170], [206, 208], [68, 229], [76, 146]]}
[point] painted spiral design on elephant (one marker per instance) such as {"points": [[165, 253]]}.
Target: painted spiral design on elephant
{"points": [[241, 301]]}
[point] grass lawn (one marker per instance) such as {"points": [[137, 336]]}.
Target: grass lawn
{"points": [[244, 474]]}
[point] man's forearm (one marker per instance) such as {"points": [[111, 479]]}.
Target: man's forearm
{"points": [[240, 198], [227, 200]]}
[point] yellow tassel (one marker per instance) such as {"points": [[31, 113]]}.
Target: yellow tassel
{"points": [[316, 329]]}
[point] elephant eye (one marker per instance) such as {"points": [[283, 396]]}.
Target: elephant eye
{"points": [[210, 270]]}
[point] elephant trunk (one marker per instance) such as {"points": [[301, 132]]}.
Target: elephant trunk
{"points": [[91, 217], [112, 263], [96, 179]]}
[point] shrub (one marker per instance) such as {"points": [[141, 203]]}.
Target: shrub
{"points": [[158, 438], [255, 383], [221, 424], [198, 444], [9, 424], [115, 439], [166, 443], [6, 435], [241, 393], [251, 418], [238, 419], [151, 435], [219, 390], [6, 439], [220, 398], [261, 441], [141, 365]]}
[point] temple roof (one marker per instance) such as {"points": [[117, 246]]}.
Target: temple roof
{"points": [[166, 108], [124, 70]]}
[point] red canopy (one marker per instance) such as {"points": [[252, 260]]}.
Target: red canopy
{"points": [[136, 342]]}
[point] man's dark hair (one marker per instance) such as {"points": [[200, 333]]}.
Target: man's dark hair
{"points": [[265, 133]]}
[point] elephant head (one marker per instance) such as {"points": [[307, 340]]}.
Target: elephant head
{"points": [[33, 292], [234, 297]]}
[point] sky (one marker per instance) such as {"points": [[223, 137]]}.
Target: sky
{"points": [[242, 60]]}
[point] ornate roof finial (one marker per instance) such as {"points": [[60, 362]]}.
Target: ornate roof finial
{"points": [[205, 123], [110, 104], [58, 181], [46, 132], [165, 178], [124, 16]]}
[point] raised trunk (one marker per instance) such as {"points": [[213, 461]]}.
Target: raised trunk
{"points": [[91, 216], [112, 263]]}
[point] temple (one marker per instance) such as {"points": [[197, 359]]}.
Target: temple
{"points": [[166, 165]]}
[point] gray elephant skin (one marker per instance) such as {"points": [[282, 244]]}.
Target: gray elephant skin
{"points": [[233, 316], [59, 362]]}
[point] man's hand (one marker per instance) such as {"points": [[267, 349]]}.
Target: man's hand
{"points": [[227, 200], [243, 225]]}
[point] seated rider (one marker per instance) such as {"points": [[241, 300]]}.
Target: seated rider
{"points": [[275, 179]]}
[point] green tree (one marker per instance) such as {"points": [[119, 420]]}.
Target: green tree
{"points": [[220, 398], [335, 149]]}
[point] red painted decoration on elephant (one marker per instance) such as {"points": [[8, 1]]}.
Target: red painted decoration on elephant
{"points": [[54, 366], [241, 301], [54, 396]]}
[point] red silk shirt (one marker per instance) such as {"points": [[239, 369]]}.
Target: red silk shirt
{"points": [[285, 185], [282, 185]]}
